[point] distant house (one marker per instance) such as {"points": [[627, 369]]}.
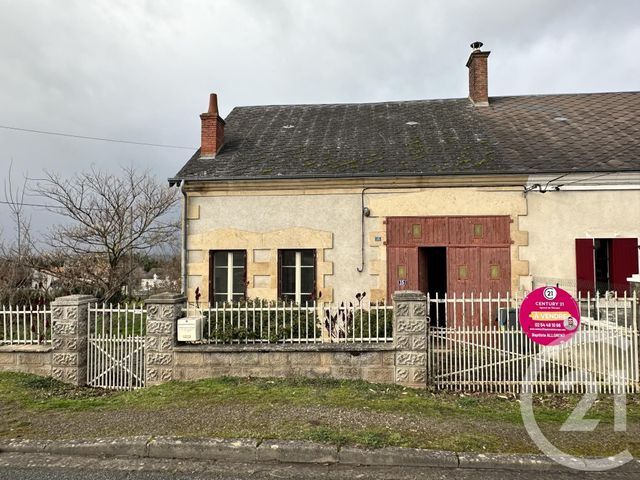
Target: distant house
{"points": [[155, 280], [42, 280], [479, 195]]}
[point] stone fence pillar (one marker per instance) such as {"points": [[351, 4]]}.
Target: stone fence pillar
{"points": [[410, 338], [163, 311], [69, 317]]}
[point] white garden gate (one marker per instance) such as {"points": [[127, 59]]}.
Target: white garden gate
{"points": [[116, 347], [480, 347]]}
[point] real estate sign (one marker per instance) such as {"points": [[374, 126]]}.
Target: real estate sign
{"points": [[549, 315]]}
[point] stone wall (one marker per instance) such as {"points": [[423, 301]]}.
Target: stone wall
{"points": [[66, 358], [373, 363], [410, 338], [34, 359], [402, 362], [163, 312], [69, 317]]}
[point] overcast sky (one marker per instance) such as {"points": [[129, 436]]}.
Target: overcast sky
{"points": [[142, 70]]}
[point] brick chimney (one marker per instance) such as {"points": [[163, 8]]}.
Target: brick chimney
{"points": [[212, 129], [478, 83]]}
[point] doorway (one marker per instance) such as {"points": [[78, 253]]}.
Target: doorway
{"points": [[433, 281], [602, 260]]}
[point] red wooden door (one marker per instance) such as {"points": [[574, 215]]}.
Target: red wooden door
{"points": [[623, 262], [463, 270], [495, 271], [463, 281], [402, 269], [585, 266]]}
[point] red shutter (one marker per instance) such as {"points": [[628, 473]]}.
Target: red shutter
{"points": [[585, 266], [623, 262]]}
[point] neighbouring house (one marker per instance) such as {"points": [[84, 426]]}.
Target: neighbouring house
{"points": [[42, 280], [156, 279], [478, 195]]}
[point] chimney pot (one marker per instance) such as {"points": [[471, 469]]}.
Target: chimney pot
{"points": [[213, 104], [212, 133], [478, 76]]}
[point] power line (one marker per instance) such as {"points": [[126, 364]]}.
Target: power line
{"points": [[100, 139], [48, 206], [583, 179], [43, 205]]}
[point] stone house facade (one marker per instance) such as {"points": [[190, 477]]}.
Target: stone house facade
{"points": [[477, 195]]}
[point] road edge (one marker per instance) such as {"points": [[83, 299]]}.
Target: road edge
{"points": [[284, 451]]}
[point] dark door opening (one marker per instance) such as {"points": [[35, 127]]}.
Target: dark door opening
{"points": [[433, 281], [602, 254]]}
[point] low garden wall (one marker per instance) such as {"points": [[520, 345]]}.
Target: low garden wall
{"points": [[34, 359], [373, 363], [64, 355]]}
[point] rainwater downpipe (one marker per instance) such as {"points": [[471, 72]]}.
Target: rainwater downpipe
{"points": [[365, 212], [360, 269], [183, 256]]}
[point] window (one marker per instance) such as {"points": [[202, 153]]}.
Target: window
{"points": [[297, 279], [227, 275]]}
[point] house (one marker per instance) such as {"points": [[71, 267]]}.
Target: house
{"points": [[156, 279], [478, 195]]}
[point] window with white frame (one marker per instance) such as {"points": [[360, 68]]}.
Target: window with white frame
{"points": [[228, 274], [297, 275]]}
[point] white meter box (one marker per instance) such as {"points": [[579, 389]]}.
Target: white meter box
{"points": [[190, 329]]}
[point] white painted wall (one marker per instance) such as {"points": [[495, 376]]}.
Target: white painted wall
{"points": [[556, 218], [336, 212]]}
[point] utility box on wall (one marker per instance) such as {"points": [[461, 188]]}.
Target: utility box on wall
{"points": [[190, 329]]}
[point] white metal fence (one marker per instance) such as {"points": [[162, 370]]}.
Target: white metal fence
{"points": [[26, 325], [261, 321], [477, 344], [116, 346]]}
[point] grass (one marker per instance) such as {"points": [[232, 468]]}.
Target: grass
{"points": [[322, 410]]}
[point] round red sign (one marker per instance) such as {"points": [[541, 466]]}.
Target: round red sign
{"points": [[549, 315]]}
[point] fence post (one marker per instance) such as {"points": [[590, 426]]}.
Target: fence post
{"points": [[410, 338], [69, 317], [163, 310]]}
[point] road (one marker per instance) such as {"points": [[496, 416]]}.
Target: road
{"points": [[14, 466]]}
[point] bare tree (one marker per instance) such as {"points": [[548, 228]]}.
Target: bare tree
{"points": [[109, 220], [15, 273], [14, 199]]}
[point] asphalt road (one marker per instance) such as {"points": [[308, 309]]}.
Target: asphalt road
{"points": [[21, 466]]}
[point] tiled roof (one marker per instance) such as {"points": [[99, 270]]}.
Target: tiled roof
{"points": [[523, 134]]}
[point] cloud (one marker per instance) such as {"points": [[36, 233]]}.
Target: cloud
{"points": [[142, 70]]}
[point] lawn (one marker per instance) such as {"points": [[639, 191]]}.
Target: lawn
{"points": [[322, 410]]}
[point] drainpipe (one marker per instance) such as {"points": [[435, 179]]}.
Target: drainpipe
{"points": [[360, 269], [183, 259]]}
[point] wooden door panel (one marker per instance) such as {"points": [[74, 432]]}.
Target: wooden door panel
{"points": [[418, 231], [585, 266], [495, 271], [463, 279], [477, 230], [402, 269], [623, 262], [463, 270]]}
